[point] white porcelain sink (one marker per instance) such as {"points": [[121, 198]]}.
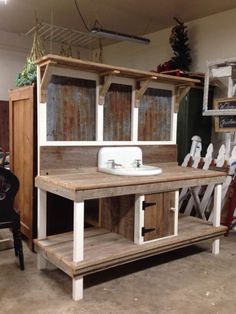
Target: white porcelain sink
{"points": [[124, 161]]}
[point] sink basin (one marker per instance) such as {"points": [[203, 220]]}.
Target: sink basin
{"points": [[124, 161], [143, 170]]}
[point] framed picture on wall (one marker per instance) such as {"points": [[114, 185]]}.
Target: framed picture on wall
{"points": [[225, 123]]}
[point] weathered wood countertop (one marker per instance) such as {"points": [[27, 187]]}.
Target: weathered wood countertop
{"points": [[88, 183]]}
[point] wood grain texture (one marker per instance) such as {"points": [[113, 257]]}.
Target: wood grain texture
{"points": [[117, 113], [4, 125], [105, 68], [71, 109], [117, 215], [22, 156], [155, 115], [159, 216], [89, 185], [70, 157], [115, 250]]}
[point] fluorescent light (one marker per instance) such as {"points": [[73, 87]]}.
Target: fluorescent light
{"points": [[5, 1], [119, 36]]}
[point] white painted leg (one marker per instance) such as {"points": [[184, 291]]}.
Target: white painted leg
{"points": [[138, 219], [78, 249], [216, 216], [77, 288], [176, 215], [42, 224]]}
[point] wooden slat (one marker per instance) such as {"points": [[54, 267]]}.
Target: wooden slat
{"points": [[22, 160], [159, 216], [67, 157], [155, 115], [115, 249], [117, 113], [101, 68], [172, 174], [71, 109], [117, 215]]}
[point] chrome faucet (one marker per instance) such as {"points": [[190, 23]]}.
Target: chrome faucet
{"points": [[114, 164], [138, 163]]}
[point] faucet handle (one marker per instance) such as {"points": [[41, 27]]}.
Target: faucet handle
{"points": [[111, 162], [138, 163]]}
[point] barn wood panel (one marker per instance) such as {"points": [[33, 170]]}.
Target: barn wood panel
{"points": [[117, 215], [159, 216], [65, 157], [155, 115], [71, 106], [117, 113], [4, 125]]}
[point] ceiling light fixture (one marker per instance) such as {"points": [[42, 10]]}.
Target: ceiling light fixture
{"points": [[119, 36]]}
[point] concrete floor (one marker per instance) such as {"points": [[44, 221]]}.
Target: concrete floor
{"points": [[187, 281]]}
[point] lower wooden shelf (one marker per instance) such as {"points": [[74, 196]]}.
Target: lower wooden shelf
{"points": [[103, 249]]}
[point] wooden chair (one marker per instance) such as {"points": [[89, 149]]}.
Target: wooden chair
{"points": [[9, 218]]}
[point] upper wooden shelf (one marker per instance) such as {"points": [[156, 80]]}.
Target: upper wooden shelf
{"points": [[105, 69]]}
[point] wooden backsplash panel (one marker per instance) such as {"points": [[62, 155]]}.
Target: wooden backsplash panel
{"points": [[155, 115], [117, 113], [4, 125], [59, 157], [71, 104]]}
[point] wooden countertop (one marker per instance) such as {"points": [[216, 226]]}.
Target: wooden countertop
{"points": [[88, 183]]}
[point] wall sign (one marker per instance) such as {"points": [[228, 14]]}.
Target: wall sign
{"points": [[225, 123]]}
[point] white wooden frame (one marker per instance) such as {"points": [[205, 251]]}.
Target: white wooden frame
{"points": [[78, 239], [139, 219], [42, 112]]}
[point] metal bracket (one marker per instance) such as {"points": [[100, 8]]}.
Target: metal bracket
{"points": [[146, 230], [146, 204]]}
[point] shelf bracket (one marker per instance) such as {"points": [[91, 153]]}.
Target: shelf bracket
{"points": [[140, 92], [46, 75], [108, 77], [180, 92]]}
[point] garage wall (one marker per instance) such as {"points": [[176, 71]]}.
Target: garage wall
{"points": [[210, 38], [13, 52]]}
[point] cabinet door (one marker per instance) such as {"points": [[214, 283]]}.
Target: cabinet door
{"points": [[22, 155], [158, 216]]}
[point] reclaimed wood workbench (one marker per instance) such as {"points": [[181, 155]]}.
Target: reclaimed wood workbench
{"points": [[81, 252]]}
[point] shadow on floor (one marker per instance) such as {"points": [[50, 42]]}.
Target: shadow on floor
{"points": [[139, 265]]}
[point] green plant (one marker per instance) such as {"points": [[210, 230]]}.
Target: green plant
{"points": [[180, 44], [28, 75]]}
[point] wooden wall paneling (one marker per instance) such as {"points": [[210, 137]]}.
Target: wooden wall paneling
{"points": [[117, 215], [117, 113], [4, 125], [155, 115], [159, 216], [71, 106], [65, 157], [23, 158]]}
